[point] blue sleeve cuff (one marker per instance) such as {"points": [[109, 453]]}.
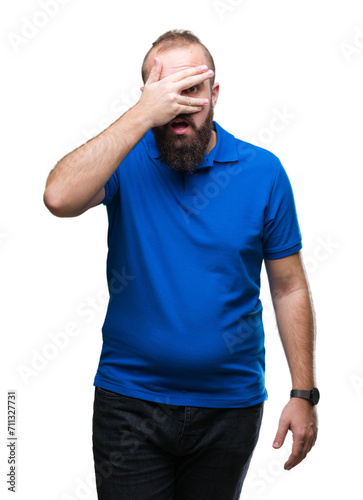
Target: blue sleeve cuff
{"points": [[279, 254]]}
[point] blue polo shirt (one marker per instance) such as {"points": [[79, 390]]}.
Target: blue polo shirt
{"points": [[184, 319]]}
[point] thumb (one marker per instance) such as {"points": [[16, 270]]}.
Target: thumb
{"points": [[155, 72], [280, 434]]}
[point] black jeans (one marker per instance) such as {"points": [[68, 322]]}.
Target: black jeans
{"points": [[152, 451]]}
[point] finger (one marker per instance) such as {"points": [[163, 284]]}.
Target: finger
{"points": [[280, 434], [186, 73], [192, 101], [194, 80], [299, 452], [311, 440], [189, 109], [310, 445], [155, 72]]}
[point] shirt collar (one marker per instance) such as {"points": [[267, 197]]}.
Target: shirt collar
{"points": [[224, 151]]}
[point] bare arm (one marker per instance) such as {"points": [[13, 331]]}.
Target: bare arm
{"points": [[77, 181], [296, 325]]}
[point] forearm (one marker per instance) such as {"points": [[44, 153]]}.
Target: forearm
{"points": [[296, 325], [79, 176]]}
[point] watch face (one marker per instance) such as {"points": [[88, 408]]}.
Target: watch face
{"points": [[315, 396]]}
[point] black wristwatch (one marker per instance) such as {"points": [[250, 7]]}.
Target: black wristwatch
{"points": [[313, 396]]}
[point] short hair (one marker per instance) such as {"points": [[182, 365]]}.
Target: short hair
{"points": [[178, 38]]}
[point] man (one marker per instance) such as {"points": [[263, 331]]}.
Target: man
{"points": [[192, 213]]}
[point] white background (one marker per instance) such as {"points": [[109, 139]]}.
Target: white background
{"points": [[70, 73]]}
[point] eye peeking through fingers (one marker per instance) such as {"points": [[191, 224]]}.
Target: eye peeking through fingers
{"points": [[192, 90]]}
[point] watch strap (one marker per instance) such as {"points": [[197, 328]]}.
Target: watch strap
{"points": [[313, 396], [297, 393]]}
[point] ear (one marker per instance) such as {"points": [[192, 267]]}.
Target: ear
{"points": [[215, 93]]}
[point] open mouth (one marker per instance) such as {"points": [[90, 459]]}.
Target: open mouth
{"points": [[179, 126]]}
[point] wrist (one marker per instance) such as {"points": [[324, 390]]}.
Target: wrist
{"points": [[142, 115], [134, 122], [312, 395]]}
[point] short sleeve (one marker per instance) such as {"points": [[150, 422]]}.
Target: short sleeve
{"points": [[111, 187], [281, 234]]}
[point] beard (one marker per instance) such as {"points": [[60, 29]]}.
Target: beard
{"points": [[184, 152]]}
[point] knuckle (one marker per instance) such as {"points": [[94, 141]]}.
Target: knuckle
{"points": [[190, 81], [186, 74], [301, 435], [300, 440]]}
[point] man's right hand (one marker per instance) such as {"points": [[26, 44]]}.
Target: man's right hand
{"points": [[77, 181], [162, 100]]}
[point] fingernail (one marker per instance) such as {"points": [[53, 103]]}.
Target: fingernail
{"points": [[276, 444], [206, 101], [204, 67]]}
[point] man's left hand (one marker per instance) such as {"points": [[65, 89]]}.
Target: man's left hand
{"points": [[300, 417]]}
